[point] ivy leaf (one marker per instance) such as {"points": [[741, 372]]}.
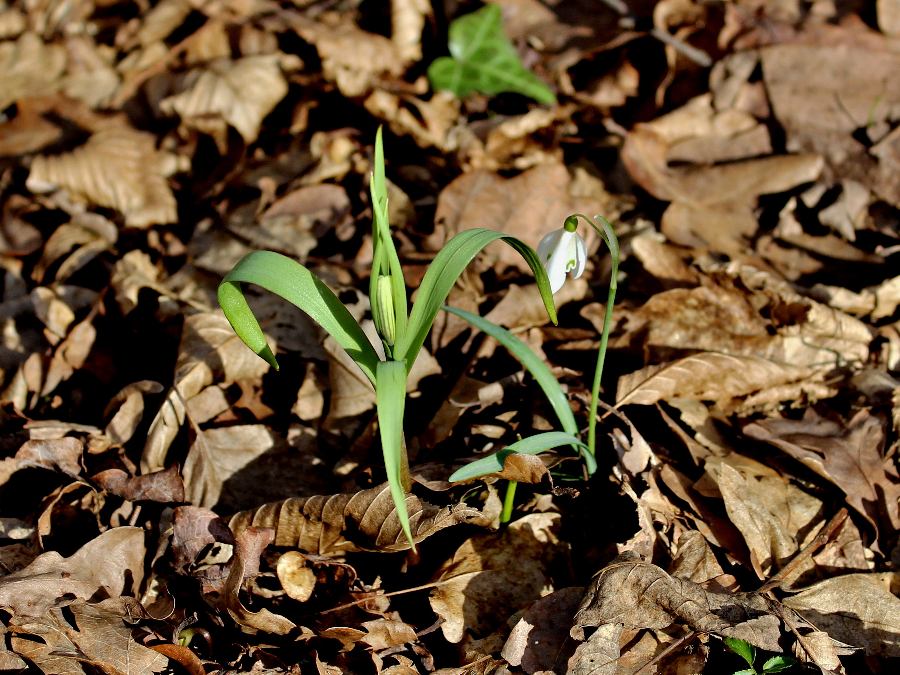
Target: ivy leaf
{"points": [[483, 59]]}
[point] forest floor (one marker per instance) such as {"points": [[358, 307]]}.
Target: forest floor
{"points": [[746, 491]]}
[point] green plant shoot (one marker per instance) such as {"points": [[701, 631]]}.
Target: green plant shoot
{"points": [[746, 651], [562, 253], [483, 59], [402, 333]]}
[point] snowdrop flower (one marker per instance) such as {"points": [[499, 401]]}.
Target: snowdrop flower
{"points": [[563, 252]]}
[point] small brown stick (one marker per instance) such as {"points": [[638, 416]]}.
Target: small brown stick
{"points": [[680, 642], [825, 535]]}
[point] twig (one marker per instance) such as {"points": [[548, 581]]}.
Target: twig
{"points": [[680, 642], [695, 54]]}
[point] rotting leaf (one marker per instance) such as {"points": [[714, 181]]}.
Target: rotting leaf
{"points": [[361, 521], [484, 60], [119, 168]]}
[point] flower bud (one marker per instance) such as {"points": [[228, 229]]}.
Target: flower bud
{"points": [[383, 311]]}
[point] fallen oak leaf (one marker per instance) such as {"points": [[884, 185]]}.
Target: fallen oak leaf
{"points": [[361, 521]]}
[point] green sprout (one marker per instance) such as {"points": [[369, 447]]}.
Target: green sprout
{"points": [[746, 651], [563, 254], [402, 334]]}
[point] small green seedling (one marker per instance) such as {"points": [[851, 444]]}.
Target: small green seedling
{"points": [[748, 652], [402, 335], [483, 59], [563, 254]]}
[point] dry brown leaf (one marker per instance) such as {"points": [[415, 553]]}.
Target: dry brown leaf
{"points": [[238, 93], [361, 521], [708, 376], [489, 577], [599, 654], [859, 609], [209, 352], [161, 486], [70, 355], [51, 580], [775, 518], [849, 454], [119, 168], [128, 416], [29, 130], [29, 67], [218, 455], [63, 454], [295, 577], [91, 76], [540, 639], [523, 468], [527, 206], [407, 21], [352, 58], [249, 545], [387, 633]]}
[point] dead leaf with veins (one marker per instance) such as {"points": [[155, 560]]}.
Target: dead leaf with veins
{"points": [[29, 67], [118, 168], [361, 521], [237, 93]]}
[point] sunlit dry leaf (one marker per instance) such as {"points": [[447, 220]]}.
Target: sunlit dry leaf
{"points": [[848, 454], [91, 77], [296, 578], [858, 609], [29, 67], [523, 468], [209, 351], [435, 122], [407, 22], [352, 58], [240, 93], [527, 206], [70, 354], [197, 531], [599, 655], [29, 130], [386, 633], [51, 579], [119, 168], [489, 577], [129, 414], [132, 272], [52, 651], [707, 376], [775, 517], [88, 234], [217, 455]]}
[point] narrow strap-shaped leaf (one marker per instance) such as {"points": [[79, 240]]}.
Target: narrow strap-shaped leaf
{"points": [[443, 272], [532, 445], [390, 399], [536, 366], [289, 279]]}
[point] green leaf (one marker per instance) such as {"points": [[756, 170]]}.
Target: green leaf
{"points": [[390, 399], [532, 445], [535, 365], [742, 648], [296, 284], [483, 59], [443, 272], [778, 663], [745, 671]]}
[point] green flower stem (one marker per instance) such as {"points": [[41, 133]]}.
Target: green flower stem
{"points": [[608, 235], [508, 500]]}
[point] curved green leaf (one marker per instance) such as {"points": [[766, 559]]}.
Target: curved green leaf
{"points": [[483, 59], [535, 365], [443, 272], [296, 284], [532, 445], [390, 399]]}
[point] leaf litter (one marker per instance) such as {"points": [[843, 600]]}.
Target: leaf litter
{"points": [[170, 504]]}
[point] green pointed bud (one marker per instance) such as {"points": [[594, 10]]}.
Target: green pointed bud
{"points": [[383, 310]]}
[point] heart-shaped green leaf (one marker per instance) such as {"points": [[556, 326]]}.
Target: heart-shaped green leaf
{"points": [[483, 59]]}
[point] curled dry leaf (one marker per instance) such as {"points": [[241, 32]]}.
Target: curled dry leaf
{"points": [[70, 355], [238, 93], [859, 609], [51, 580], [250, 543], [362, 521], [489, 577], [209, 352], [848, 454], [119, 168], [296, 578], [61, 454], [161, 486]]}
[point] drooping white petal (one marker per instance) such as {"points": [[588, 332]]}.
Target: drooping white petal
{"points": [[562, 252]]}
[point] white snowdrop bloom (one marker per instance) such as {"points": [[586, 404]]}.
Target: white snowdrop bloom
{"points": [[562, 252]]}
